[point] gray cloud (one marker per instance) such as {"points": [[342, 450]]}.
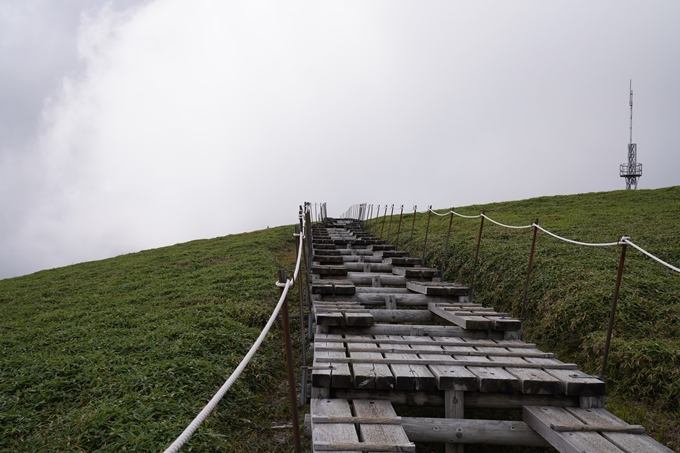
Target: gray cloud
{"points": [[166, 122]]}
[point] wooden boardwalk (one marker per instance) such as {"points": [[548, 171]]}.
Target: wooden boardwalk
{"points": [[389, 334]]}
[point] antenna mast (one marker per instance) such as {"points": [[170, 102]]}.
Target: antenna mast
{"points": [[632, 170]]}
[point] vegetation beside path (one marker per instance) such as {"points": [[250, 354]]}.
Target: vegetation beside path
{"points": [[121, 354], [571, 288]]}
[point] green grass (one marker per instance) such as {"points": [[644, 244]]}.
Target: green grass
{"points": [[571, 288], [121, 354]]}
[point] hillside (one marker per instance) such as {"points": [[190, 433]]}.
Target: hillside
{"points": [[121, 354], [571, 287]]}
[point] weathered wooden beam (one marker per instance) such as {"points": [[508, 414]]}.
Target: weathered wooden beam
{"points": [[487, 432], [434, 331], [472, 399]]}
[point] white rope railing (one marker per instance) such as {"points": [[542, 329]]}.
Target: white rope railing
{"points": [[438, 214], [641, 250], [504, 225], [193, 426], [623, 240], [571, 241]]}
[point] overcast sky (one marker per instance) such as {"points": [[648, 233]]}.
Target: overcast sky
{"points": [[130, 125]]}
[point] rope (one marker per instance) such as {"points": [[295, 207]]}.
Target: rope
{"points": [[455, 213], [640, 249], [467, 216], [193, 426], [440, 215], [506, 226], [588, 244]]}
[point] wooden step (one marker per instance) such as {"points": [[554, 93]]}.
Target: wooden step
{"points": [[438, 288], [474, 318], [333, 287], [329, 270], [336, 427], [575, 430]]}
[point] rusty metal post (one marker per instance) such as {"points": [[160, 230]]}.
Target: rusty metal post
{"points": [[396, 242], [446, 246], [612, 314], [289, 367], [375, 222], [474, 266], [389, 228], [531, 260], [413, 224], [303, 380], [427, 230], [382, 229], [369, 216]]}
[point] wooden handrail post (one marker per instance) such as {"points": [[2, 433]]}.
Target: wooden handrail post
{"points": [[612, 314], [474, 266], [289, 367], [531, 259]]}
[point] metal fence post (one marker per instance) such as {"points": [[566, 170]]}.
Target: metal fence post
{"points": [[413, 224], [303, 386], [531, 260], [389, 228], [289, 367], [427, 230], [382, 229], [612, 314], [474, 266], [446, 246], [396, 242], [375, 223]]}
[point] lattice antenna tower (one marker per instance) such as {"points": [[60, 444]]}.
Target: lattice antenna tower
{"points": [[631, 170]]}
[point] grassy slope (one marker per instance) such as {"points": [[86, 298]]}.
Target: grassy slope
{"points": [[121, 354], [571, 287]]}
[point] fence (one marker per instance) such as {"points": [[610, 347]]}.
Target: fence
{"points": [[318, 211], [376, 225]]}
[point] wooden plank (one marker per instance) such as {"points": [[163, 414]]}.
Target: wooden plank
{"points": [[428, 330], [478, 343], [472, 399], [410, 376], [358, 319], [576, 382], [625, 441], [424, 273], [494, 379], [454, 408], [484, 432], [366, 278], [339, 374], [466, 322], [332, 432], [536, 381], [451, 377], [330, 319], [380, 434], [541, 417], [468, 361], [438, 288], [370, 375]]}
